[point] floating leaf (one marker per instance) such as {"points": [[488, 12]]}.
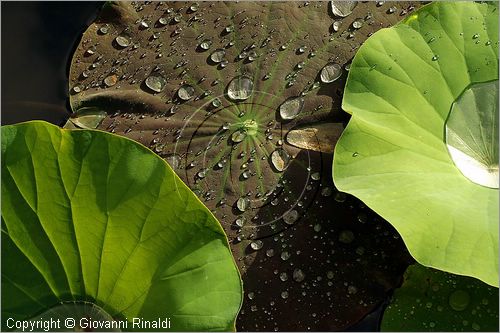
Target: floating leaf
{"points": [[93, 217], [393, 154], [432, 300], [230, 126]]}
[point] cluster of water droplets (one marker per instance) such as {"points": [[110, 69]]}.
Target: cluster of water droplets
{"points": [[215, 92]]}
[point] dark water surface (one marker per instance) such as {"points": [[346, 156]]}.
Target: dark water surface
{"points": [[38, 39]]}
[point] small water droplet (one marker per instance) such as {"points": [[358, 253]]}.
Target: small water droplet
{"points": [[283, 276], [459, 300], [475, 36], [110, 80], [251, 295], [357, 24], [218, 55], [104, 29], [252, 55], [205, 44], [240, 221], [280, 159], [122, 41], [326, 192], [435, 57], [217, 103], [330, 73], [162, 21], [284, 294], [298, 275], [336, 25], [291, 216], [185, 92], [238, 136], [346, 236], [315, 176], [194, 7], [352, 290], [240, 88], [242, 204], [256, 245], [391, 10], [285, 255], [155, 82], [270, 253], [291, 108]]}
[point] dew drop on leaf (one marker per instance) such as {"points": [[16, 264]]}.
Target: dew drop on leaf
{"points": [[280, 159], [218, 55], [238, 136], [330, 73], [343, 8], [155, 82], [291, 108], [185, 92], [357, 24], [298, 275], [291, 216], [256, 245], [240, 88], [205, 44], [242, 204], [110, 80], [122, 41], [459, 300]]}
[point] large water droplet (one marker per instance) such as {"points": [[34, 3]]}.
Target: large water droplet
{"points": [[185, 92], [240, 88], [155, 82], [472, 133], [330, 73], [343, 8], [291, 108], [280, 159]]}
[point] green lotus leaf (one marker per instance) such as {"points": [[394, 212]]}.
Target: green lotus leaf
{"points": [[433, 300], [394, 155], [88, 216]]}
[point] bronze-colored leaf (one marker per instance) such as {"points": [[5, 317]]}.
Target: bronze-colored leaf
{"points": [[214, 88]]}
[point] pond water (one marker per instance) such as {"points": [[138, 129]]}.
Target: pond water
{"points": [[38, 39]]}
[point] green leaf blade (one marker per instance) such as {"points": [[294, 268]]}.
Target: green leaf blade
{"points": [[392, 154], [113, 225]]}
